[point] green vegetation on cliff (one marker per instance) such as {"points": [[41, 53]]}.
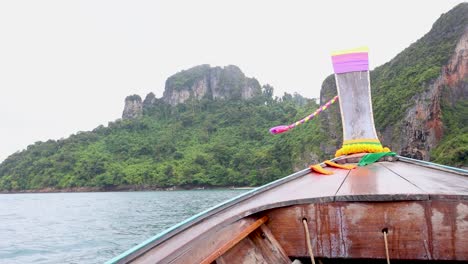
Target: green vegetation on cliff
{"points": [[453, 149], [411, 71], [205, 143], [213, 142]]}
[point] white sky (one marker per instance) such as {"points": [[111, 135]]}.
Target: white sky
{"points": [[67, 66]]}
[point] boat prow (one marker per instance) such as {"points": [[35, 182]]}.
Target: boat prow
{"points": [[422, 208]]}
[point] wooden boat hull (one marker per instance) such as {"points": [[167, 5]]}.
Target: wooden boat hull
{"points": [[417, 230], [423, 210]]}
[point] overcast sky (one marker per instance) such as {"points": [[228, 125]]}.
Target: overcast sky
{"points": [[66, 66]]}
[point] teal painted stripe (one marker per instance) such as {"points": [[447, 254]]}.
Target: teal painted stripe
{"points": [[186, 223]]}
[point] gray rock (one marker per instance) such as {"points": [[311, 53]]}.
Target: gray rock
{"points": [[209, 82], [133, 107], [422, 127]]}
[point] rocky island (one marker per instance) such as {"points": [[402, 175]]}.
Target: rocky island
{"points": [[210, 127]]}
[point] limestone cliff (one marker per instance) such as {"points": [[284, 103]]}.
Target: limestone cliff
{"points": [[133, 107], [199, 82], [209, 82], [331, 119], [423, 127]]}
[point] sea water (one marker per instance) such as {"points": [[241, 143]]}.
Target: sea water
{"points": [[91, 227]]}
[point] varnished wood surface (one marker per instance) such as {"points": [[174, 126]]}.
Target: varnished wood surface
{"points": [[423, 230], [376, 182], [208, 241], [268, 243], [246, 253], [234, 240], [260, 247], [430, 180], [356, 108], [385, 181]]}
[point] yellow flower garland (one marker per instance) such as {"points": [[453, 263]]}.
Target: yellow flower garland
{"points": [[361, 146]]}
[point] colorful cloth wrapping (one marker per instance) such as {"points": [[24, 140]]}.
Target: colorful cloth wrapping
{"points": [[319, 169], [351, 60], [340, 166], [373, 157]]}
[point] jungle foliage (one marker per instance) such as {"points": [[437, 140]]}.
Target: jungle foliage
{"points": [[199, 143], [227, 143], [415, 68]]}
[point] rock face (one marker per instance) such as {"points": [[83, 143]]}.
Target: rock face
{"points": [[331, 119], [200, 82], [133, 107], [212, 83], [150, 99], [423, 127]]}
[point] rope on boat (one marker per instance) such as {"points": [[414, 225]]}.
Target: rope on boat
{"points": [[309, 245], [284, 128], [385, 231]]}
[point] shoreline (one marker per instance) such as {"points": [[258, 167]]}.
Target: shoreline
{"points": [[125, 188]]}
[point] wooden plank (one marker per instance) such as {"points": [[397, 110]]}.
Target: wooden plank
{"points": [[362, 224], [355, 105], [271, 250], [377, 183], [432, 181], [230, 244], [259, 247], [419, 230], [312, 187], [427, 164], [290, 233], [199, 248], [245, 252], [448, 222]]}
